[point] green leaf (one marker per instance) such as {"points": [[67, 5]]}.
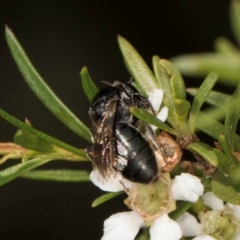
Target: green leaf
{"points": [[31, 141], [235, 18], [228, 67], [209, 125], [214, 98], [21, 125], [163, 80], [145, 235], [15, 171], [181, 111], [205, 151], [200, 97], [182, 207], [42, 90], [88, 85], [223, 162], [62, 175], [138, 69], [222, 189], [226, 149], [223, 45], [176, 81], [232, 117], [105, 197], [147, 117]]}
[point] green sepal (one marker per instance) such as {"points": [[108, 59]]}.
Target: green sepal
{"points": [[144, 79], [205, 151], [15, 171], [63, 175], [105, 197], [200, 97], [145, 235], [182, 207], [89, 87], [149, 118], [221, 187], [42, 90]]}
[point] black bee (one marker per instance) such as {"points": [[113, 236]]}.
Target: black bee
{"points": [[122, 143]]}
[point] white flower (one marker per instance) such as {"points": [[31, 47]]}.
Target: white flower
{"points": [[155, 97], [189, 225], [126, 225], [113, 184], [165, 228], [235, 209], [212, 201], [187, 187], [204, 237]]}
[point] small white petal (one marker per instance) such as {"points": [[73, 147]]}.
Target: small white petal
{"points": [[163, 114], [212, 201], [165, 228], [112, 184], [189, 225], [155, 97], [122, 226], [235, 209], [187, 187], [204, 237]]}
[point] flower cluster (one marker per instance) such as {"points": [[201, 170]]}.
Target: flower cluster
{"points": [[151, 204]]}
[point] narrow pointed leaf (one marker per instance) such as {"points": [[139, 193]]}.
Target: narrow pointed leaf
{"points": [[105, 197], [214, 98], [138, 69], [205, 151], [182, 110], [176, 81], [200, 97], [232, 117], [235, 18], [223, 45], [42, 90], [151, 119], [21, 125], [226, 149], [223, 161], [182, 207], [88, 85], [222, 189], [31, 141], [228, 67], [163, 80], [15, 171], [62, 175]]}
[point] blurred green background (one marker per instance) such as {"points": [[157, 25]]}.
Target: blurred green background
{"points": [[60, 37]]}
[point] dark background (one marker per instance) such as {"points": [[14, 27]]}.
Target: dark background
{"points": [[61, 37]]}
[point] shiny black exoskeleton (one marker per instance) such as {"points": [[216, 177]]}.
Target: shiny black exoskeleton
{"points": [[119, 145]]}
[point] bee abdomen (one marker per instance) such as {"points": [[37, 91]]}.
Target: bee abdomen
{"points": [[141, 161]]}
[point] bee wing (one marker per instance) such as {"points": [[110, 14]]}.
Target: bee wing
{"points": [[103, 153]]}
